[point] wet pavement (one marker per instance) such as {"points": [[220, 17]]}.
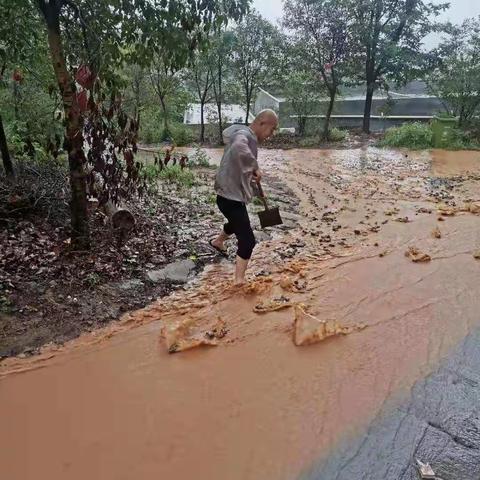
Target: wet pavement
{"points": [[403, 384]]}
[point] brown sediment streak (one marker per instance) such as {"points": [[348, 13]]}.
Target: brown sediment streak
{"points": [[116, 405]]}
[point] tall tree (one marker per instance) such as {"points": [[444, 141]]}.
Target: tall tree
{"points": [[202, 79], [302, 95], [455, 77], [99, 37], [323, 43], [220, 65], [256, 48], [166, 81], [390, 35]]}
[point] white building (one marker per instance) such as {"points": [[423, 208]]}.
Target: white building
{"points": [[265, 100], [230, 114]]}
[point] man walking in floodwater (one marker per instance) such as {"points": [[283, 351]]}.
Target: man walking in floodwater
{"points": [[234, 185]]}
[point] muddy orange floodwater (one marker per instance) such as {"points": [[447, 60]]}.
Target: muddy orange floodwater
{"points": [[116, 405]]}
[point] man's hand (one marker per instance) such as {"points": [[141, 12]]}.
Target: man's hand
{"points": [[257, 175]]}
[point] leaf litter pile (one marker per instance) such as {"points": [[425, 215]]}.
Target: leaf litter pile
{"points": [[50, 294]]}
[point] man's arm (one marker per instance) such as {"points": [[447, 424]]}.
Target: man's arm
{"points": [[242, 152]]}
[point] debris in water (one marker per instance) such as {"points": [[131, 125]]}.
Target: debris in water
{"points": [[309, 329], [425, 470], [424, 210], [218, 331], [178, 339], [278, 303], [446, 211], [474, 208], [392, 211], [436, 233], [296, 286], [416, 255], [260, 285]]}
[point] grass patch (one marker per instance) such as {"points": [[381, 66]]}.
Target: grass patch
{"points": [[171, 174]]}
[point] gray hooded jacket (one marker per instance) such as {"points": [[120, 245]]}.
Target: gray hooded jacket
{"points": [[239, 161]]}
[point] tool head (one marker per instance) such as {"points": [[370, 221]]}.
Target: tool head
{"points": [[270, 217]]}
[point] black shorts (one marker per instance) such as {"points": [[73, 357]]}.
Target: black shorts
{"points": [[238, 223]]}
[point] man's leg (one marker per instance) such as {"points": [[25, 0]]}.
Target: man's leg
{"points": [[220, 240], [246, 244], [240, 269]]}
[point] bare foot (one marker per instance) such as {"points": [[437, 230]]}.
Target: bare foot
{"points": [[218, 244]]}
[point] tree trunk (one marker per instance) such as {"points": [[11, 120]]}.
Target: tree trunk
{"points": [[16, 97], [166, 127], [73, 129], [302, 122], [247, 115], [326, 126], [219, 103], [202, 122], [462, 117], [7, 161], [220, 122], [368, 107]]}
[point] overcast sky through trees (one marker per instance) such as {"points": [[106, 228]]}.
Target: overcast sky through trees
{"points": [[459, 11]]}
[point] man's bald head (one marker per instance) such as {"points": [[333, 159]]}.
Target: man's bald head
{"points": [[264, 124]]}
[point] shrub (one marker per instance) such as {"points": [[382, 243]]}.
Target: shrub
{"points": [[416, 136], [200, 158], [182, 135], [337, 135]]}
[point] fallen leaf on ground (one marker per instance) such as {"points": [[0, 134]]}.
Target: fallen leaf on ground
{"points": [[416, 255], [436, 233], [273, 305], [402, 219], [309, 329], [476, 255]]}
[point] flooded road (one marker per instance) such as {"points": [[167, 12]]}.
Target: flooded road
{"points": [[117, 405]]}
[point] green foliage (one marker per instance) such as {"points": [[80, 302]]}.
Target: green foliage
{"points": [[174, 174], [419, 136], [171, 174], [337, 135], [416, 136], [182, 135], [92, 280], [200, 158], [255, 53], [302, 93], [455, 77]]}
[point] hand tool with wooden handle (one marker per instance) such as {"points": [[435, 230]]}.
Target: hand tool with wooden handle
{"points": [[270, 216]]}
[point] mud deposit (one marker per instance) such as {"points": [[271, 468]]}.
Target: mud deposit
{"points": [[116, 405]]}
